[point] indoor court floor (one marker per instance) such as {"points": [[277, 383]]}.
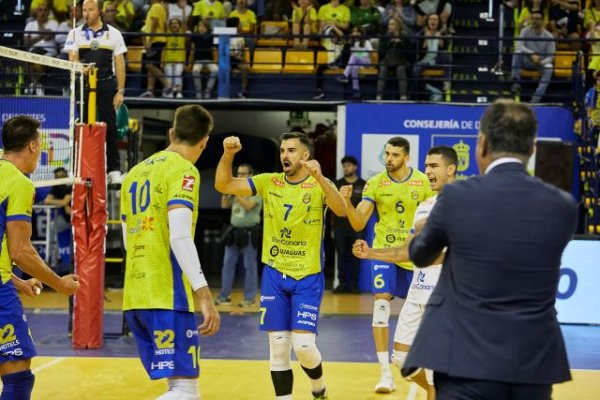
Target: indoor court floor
{"points": [[234, 363]]}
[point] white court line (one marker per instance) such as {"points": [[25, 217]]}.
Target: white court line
{"points": [[412, 392], [48, 364]]}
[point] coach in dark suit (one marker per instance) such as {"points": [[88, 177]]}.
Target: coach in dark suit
{"points": [[490, 329]]}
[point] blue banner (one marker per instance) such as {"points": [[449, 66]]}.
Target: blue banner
{"points": [[53, 114], [369, 126]]}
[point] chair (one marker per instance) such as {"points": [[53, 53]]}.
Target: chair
{"points": [[267, 61], [134, 58], [322, 59], [371, 69], [280, 28], [299, 62], [563, 64]]}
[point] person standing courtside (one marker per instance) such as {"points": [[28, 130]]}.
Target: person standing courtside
{"points": [[242, 238], [343, 234], [159, 208], [440, 167], [396, 193], [22, 148], [490, 329], [99, 43], [292, 280]]}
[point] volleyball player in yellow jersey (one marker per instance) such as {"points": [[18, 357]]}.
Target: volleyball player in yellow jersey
{"points": [[292, 282], [396, 193], [159, 208], [22, 148]]}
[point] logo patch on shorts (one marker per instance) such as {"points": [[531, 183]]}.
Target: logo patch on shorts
{"points": [[188, 183]]}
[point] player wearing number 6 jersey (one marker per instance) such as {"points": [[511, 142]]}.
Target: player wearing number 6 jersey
{"points": [[396, 193], [440, 168], [159, 208], [292, 280]]}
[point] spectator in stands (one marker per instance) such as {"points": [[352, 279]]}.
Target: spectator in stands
{"points": [[360, 53], [209, 10], [524, 18], [174, 58], [202, 59], [564, 21], [57, 10], [334, 22], [395, 54], [592, 101], [534, 54], [247, 19], [109, 14], [594, 64], [182, 10], [66, 26], [367, 17], [124, 13], [404, 10], [40, 43], [432, 45], [591, 16], [443, 8], [304, 23], [156, 22], [60, 195], [236, 56]]}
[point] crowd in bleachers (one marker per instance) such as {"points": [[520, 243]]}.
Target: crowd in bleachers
{"points": [[398, 41]]}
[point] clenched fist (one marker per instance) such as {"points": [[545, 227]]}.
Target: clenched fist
{"points": [[346, 191], [232, 144], [313, 167]]}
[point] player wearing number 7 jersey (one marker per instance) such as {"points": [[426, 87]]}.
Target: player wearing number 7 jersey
{"points": [[292, 280], [396, 193], [159, 208]]}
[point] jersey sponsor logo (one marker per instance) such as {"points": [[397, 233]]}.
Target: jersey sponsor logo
{"points": [[390, 238], [277, 182], [275, 195], [164, 339], [385, 183], [385, 195], [190, 333], [312, 221], [7, 335], [308, 185], [421, 277], [309, 307], [307, 315], [414, 195], [267, 298], [380, 266], [275, 251], [188, 183], [285, 233], [415, 183], [148, 224], [306, 198], [162, 365]]}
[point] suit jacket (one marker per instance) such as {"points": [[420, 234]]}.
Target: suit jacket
{"points": [[492, 316]]}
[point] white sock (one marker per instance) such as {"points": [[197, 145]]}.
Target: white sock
{"points": [[181, 389], [317, 385], [384, 362], [286, 397]]}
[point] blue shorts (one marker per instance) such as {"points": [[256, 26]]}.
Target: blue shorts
{"points": [[167, 341], [287, 304], [389, 278], [16, 342]]}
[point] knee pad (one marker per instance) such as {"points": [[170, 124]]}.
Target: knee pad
{"points": [[381, 313], [306, 349], [280, 346], [429, 376], [398, 358]]}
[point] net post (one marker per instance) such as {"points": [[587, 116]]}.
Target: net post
{"points": [[92, 81]]}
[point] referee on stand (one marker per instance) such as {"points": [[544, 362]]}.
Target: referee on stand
{"points": [[99, 43]]}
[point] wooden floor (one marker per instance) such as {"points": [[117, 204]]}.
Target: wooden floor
{"points": [[124, 379]]}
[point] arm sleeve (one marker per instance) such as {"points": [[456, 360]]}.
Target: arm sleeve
{"points": [[425, 247], [183, 247], [20, 204]]}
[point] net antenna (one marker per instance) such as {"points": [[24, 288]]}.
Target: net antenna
{"points": [[76, 70]]}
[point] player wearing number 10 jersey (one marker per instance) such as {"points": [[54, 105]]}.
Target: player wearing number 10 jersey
{"points": [[395, 193], [292, 280], [159, 208]]}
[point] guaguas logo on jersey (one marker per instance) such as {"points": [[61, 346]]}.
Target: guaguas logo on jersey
{"points": [[188, 183]]}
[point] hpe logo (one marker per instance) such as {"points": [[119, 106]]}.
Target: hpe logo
{"points": [[162, 365], [307, 315]]}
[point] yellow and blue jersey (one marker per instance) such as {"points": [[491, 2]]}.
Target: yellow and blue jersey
{"points": [[396, 203], [16, 204], [293, 223], [153, 278]]}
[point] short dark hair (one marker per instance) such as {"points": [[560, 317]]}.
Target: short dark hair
{"points": [[448, 154], [250, 168], [18, 131], [192, 123], [536, 11], [399, 141], [301, 136], [349, 159], [509, 127]]}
